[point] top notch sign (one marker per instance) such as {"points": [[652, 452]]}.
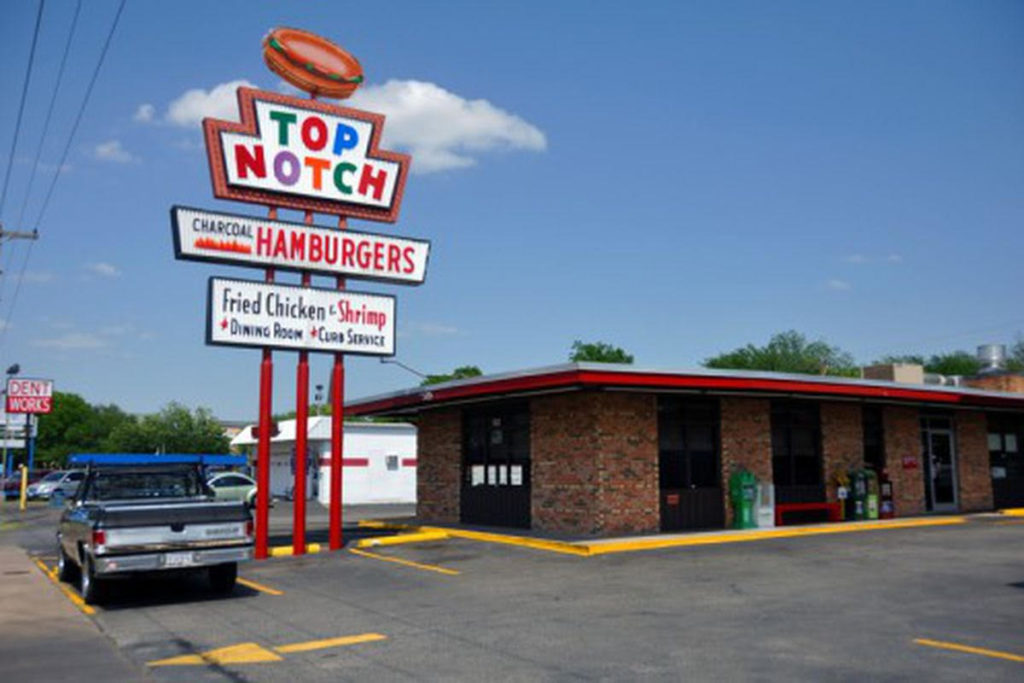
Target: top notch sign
{"points": [[305, 154]]}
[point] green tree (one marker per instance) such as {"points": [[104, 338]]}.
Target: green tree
{"points": [[906, 359], [75, 426], [789, 352], [954, 363], [598, 352], [173, 430], [461, 372]]}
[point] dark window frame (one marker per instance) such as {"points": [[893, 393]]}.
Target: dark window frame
{"points": [[803, 418], [873, 433], [678, 418]]}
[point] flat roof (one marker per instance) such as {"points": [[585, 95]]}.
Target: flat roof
{"points": [[616, 377]]}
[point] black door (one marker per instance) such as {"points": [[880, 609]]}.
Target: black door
{"points": [[796, 452], [1006, 458], [496, 467], [688, 470]]}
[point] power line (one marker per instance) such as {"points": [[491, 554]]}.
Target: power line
{"points": [[57, 173], [49, 112], [21, 107], [81, 110]]}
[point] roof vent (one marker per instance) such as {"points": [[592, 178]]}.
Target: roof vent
{"points": [[992, 357]]}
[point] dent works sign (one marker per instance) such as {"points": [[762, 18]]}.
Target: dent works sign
{"points": [[29, 395], [304, 154], [241, 240], [247, 313]]}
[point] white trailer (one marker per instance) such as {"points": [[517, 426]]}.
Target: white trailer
{"points": [[379, 463]]}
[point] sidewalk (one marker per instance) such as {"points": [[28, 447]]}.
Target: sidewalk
{"points": [[43, 636]]}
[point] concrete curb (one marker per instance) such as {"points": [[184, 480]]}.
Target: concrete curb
{"points": [[623, 545]]}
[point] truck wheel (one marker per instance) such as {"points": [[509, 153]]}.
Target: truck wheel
{"points": [[89, 584], [222, 577], [65, 567]]}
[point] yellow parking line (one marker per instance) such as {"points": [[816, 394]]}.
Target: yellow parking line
{"points": [[75, 599], [419, 537], [330, 642], [970, 650], [407, 563], [259, 587]]}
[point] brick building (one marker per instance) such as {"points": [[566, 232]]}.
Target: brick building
{"points": [[607, 449]]}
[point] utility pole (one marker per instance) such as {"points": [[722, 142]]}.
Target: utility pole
{"points": [[6, 235]]}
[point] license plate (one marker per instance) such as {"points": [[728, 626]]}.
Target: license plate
{"points": [[178, 560]]}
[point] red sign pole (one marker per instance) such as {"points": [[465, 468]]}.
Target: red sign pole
{"points": [[337, 434], [301, 438], [263, 446]]}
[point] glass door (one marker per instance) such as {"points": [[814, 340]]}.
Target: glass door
{"points": [[940, 468]]}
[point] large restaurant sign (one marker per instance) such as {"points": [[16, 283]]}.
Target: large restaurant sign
{"points": [[305, 154], [226, 238], [247, 313]]}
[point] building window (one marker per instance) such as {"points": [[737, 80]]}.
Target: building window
{"points": [[874, 440], [1004, 446], [496, 446], [392, 463], [687, 443], [796, 451]]}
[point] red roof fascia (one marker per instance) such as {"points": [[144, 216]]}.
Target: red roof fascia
{"points": [[642, 380]]}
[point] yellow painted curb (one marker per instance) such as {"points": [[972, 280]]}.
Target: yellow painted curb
{"points": [[591, 549], [760, 534], [74, 597], [286, 550], [419, 537], [1012, 512]]}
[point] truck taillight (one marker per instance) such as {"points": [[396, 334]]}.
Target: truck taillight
{"points": [[99, 538], [249, 528]]}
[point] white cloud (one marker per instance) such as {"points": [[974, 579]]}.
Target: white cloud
{"points": [[113, 151], [104, 269], [145, 113], [72, 341], [38, 277], [839, 285], [441, 129], [860, 259], [50, 168], [194, 105], [432, 329]]}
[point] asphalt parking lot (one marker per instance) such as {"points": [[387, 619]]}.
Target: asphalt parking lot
{"points": [[888, 605]]}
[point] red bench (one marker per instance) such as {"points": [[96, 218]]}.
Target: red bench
{"points": [[835, 510]]}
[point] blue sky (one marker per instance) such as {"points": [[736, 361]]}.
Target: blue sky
{"points": [[675, 178]]}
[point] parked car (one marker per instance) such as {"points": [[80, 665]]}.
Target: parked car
{"points": [[66, 481], [233, 486], [12, 484], [124, 520]]}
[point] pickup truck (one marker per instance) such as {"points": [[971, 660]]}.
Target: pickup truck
{"points": [[126, 520]]}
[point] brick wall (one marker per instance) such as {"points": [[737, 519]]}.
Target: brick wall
{"points": [[1012, 382], [973, 461], [564, 464], [594, 463], [439, 465], [627, 440], [842, 442], [902, 436], [746, 442]]}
